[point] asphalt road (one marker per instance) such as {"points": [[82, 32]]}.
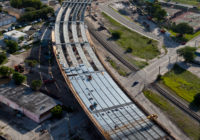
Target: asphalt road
{"points": [[158, 65], [109, 11]]}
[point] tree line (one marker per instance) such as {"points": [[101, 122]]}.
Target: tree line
{"points": [[34, 9]]}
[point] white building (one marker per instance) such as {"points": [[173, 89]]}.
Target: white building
{"points": [[14, 35], [6, 19]]}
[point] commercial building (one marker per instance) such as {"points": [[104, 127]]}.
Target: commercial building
{"points": [[6, 19], [14, 35], [35, 105]]}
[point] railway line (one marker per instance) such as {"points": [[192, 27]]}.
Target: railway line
{"points": [[107, 46], [134, 69], [108, 107], [176, 102]]}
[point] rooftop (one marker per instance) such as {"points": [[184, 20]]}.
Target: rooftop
{"points": [[35, 102], [4, 17], [15, 33], [27, 28]]}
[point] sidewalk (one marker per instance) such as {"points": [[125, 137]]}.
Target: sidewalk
{"points": [[193, 68]]}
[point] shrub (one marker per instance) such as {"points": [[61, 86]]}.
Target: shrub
{"points": [[196, 100], [36, 84], [116, 34], [183, 28], [5, 71], [57, 111], [129, 50], [2, 57], [18, 78], [188, 53], [31, 63], [12, 46]]}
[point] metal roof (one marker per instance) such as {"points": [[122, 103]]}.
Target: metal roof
{"points": [[35, 102]]}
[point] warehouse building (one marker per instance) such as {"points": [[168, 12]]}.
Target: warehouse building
{"points": [[35, 105]]}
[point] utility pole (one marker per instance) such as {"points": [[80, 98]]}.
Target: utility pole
{"points": [[68, 125], [90, 9], [169, 63], [196, 43]]}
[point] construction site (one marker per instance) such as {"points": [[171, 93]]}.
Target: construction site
{"points": [[105, 102]]}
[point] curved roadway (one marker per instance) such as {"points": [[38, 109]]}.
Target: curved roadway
{"points": [[108, 106]]}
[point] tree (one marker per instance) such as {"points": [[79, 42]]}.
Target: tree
{"points": [[37, 4], [196, 100], [160, 14], [116, 34], [60, 1], [183, 28], [43, 13], [31, 63], [188, 53], [36, 84], [0, 8], [21, 38], [6, 71], [3, 57], [16, 3], [28, 9], [155, 10], [34, 9], [18, 78], [129, 50], [12, 46], [57, 111]]}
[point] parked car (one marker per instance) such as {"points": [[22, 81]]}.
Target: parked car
{"points": [[49, 81], [135, 83], [183, 43], [162, 31]]}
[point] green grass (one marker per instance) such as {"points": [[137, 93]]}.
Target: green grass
{"points": [[188, 37], [187, 125], [142, 46], [164, 47], [139, 64], [118, 68], [182, 82], [4, 62]]}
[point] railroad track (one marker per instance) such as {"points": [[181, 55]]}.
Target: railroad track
{"points": [[107, 46], [176, 102], [134, 69], [155, 86]]}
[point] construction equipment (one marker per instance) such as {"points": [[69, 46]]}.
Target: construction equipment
{"points": [[89, 77], [129, 125], [19, 68]]}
